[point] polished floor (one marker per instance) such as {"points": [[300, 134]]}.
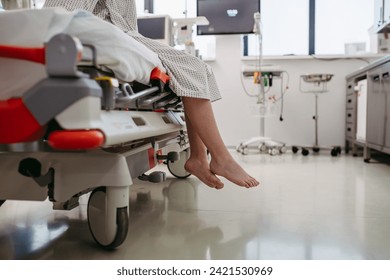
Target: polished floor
{"points": [[314, 207]]}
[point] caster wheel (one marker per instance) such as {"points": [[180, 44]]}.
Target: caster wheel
{"points": [[338, 149], [295, 149], [109, 231], [244, 150], [334, 152], [273, 151], [176, 168], [367, 160], [283, 150], [316, 149], [239, 148], [262, 148], [305, 152]]}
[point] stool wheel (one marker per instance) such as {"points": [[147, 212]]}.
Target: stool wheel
{"points": [[305, 152]]}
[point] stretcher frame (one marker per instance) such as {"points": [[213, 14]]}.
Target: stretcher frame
{"points": [[81, 131]]}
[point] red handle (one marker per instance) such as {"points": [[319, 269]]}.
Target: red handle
{"points": [[30, 54]]}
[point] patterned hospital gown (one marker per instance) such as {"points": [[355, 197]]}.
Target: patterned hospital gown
{"points": [[189, 76]]}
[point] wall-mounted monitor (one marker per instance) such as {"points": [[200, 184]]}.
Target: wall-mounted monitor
{"points": [[227, 16]]}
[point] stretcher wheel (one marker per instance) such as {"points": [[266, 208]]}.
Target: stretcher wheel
{"points": [[109, 231], [305, 152], [177, 167], [295, 149], [316, 149]]}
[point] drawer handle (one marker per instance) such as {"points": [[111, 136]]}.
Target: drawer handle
{"points": [[349, 86], [349, 129], [349, 100], [385, 75], [375, 78], [349, 115]]}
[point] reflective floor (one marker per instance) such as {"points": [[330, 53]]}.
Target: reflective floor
{"points": [[314, 207]]}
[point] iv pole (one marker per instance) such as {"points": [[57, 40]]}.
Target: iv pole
{"points": [[265, 143]]}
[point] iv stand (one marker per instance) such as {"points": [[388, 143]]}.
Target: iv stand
{"points": [[264, 143]]}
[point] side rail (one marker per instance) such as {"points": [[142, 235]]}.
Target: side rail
{"points": [[26, 119]]}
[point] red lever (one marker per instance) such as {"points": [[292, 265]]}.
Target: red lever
{"points": [[76, 139], [30, 54], [157, 74]]}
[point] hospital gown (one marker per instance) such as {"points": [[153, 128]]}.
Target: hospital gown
{"points": [[189, 76]]}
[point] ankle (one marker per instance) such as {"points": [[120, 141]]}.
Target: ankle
{"points": [[222, 158]]}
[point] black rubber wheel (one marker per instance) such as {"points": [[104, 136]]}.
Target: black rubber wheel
{"points": [[316, 149], [294, 149], [334, 152], [176, 168], [122, 222], [305, 152]]}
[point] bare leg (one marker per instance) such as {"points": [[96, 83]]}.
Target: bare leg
{"points": [[202, 123], [198, 164]]}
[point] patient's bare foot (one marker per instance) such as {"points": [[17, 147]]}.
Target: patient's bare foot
{"points": [[200, 169], [232, 171]]}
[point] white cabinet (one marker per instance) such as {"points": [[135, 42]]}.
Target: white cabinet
{"points": [[378, 108], [368, 112]]}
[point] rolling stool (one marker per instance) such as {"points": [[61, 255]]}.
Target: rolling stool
{"points": [[319, 85]]}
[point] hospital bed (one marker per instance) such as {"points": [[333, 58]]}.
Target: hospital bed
{"points": [[81, 131]]}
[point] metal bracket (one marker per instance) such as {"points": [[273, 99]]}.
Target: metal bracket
{"points": [[63, 52]]}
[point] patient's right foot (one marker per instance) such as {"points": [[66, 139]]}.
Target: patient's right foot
{"points": [[200, 169]]}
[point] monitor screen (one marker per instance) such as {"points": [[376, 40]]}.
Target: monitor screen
{"points": [[227, 16], [157, 27], [152, 27]]}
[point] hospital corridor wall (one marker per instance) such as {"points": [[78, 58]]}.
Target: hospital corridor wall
{"points": [[234, 111]]}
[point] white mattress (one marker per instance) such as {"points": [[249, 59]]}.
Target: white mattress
{"points": [[127, 58]]}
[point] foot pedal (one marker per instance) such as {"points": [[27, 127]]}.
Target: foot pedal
{"points": [[31, 167], [154, 177], [70, 204]]}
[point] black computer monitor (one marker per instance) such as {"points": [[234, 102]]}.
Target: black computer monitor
{"points": [[227, 16]]}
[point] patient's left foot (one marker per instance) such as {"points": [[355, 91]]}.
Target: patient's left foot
{"points": [[232, 171]]}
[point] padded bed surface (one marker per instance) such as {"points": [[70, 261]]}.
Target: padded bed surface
{"points": [[128, 59]]}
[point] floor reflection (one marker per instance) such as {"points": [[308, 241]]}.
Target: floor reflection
{"points": [[31, 241]]}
